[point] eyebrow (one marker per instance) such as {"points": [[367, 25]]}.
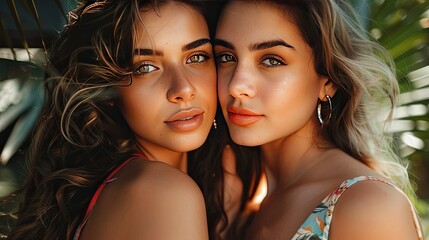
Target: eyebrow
{"points": [[223, 43], [255, 46], [269, 44], [147, 52], [195, 44], [187, 47]]}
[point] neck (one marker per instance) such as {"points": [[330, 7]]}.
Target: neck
{"points": [[175, 159], [287, 160], [180, 161]]}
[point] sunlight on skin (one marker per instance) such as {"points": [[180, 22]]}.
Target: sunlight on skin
{"points": [[260, 194]]}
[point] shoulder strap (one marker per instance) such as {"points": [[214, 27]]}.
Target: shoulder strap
{"points": [[332, 199], [97, 193]]}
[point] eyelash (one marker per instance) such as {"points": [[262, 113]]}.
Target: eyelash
{"points": [[280, 61], [206, 57], [137, 70], [225, 55], [154, 68]]}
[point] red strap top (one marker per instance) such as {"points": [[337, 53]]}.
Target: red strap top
{"points": [[110, 178]]}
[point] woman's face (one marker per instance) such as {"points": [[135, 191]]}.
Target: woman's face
{"points": [[171, 102], [267, 83]]}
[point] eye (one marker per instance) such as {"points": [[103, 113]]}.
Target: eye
{"points": [[272, 62], [145, 68], [224, 58], [197, 58]]}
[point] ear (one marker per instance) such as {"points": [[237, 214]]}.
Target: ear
{"points": [[327, 87]]}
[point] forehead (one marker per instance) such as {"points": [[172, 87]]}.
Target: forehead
{"points": [[166, 21], [257, 21]]}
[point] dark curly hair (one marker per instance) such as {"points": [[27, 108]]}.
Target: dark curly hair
{"points": [[81, 135]]}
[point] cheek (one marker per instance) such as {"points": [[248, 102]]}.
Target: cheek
{"points": [[134, 104], [207, 86], [223, 84], [203, 77], [223, 94], [128, 99], [296, 87], [291, 99]]}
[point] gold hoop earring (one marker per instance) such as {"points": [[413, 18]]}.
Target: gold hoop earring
{"points": [[319, 109]]}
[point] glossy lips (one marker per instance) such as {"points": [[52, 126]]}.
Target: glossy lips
{"points": [[243, 117], [186, 120]]}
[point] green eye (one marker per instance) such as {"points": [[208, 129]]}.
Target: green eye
{"points": [[145, 68], [272, 62], [224, 58], [197, 58]]}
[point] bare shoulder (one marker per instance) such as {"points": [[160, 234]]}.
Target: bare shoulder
{"points": [[373, 210], [149, 200], [158, 177]]}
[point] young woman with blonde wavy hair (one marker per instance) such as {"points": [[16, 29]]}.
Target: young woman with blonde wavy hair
{"points": [[302, 80]]}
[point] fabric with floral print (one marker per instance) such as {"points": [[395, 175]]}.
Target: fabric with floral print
{"points": [[316, 226]]}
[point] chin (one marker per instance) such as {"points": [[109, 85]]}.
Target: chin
{"points": [[190, 143], [243, 136], [188, 147], [245, 140]]}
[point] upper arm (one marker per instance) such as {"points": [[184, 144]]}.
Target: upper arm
{"points": [[159, 203], [175, 210], [372, 210]]}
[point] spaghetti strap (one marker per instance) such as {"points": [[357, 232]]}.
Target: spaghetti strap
{"points": [[110, 178], [317, 225]]}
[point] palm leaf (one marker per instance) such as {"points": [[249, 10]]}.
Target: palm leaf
{"points": [[6, 38], [61, 8], [35, 14], [21, 13], [17, 20]]}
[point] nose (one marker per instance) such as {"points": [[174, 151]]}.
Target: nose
{"points": [[181, 88], [242, 83]]}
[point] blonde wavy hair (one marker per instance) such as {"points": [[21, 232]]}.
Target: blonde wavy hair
{"points": [[364, 75]]}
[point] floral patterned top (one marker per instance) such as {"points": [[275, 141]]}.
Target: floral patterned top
{"points": [[316, 226]]}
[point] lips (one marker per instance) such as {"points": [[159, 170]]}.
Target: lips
{"points": [[243, 117], [186, 120]]}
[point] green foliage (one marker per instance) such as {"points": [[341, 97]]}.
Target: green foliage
{"points": [[402, 26], [398, 25]]}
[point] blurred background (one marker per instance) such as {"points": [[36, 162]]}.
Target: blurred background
{"points": [[28, 27]]}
